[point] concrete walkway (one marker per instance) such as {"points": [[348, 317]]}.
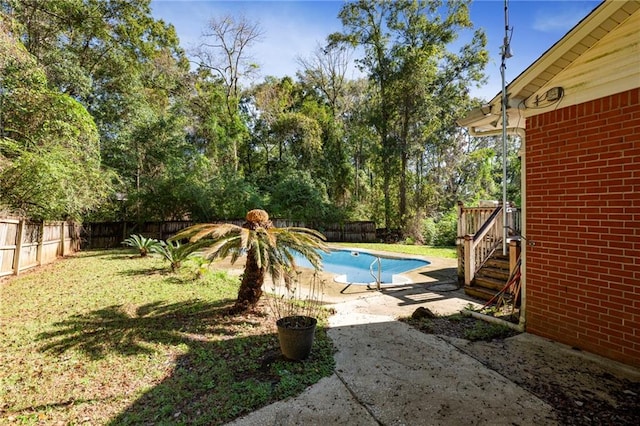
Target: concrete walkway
{"points": [[388, 373], [391, 374]]}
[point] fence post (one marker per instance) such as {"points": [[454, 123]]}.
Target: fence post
{"points": [[62, 239], [469, 259], [462, 226], [514, 253], [16, 258], [40, 244]]}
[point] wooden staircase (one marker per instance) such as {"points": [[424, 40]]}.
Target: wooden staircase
{"points": [[490, 278], [482, 267]]}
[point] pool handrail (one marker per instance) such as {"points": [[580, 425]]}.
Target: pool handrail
{"points": [[378, 278]]}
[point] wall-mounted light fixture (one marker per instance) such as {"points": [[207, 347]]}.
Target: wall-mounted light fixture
{"points": [[545, 99], [554, 94], [486, 109]]}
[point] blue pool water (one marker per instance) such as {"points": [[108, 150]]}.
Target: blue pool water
{"points": [[353, 266]]}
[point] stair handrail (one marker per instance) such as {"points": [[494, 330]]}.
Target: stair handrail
{"points": [[487, 226], [479, 246]]}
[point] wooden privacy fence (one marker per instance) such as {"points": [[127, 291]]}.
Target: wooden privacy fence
{"points": [[111, 234], [26, 244]]}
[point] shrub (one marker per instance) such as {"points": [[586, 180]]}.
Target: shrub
{"points": [[300, 198], [429, 231], [442, 232], [143, 244], [175, 253], [413, 230], [487, 332], [447, 230]]}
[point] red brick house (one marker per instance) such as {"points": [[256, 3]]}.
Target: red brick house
{"points": [[577, 110]]}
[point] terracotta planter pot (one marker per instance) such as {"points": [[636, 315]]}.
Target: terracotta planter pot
{"points": [[296, 335]]}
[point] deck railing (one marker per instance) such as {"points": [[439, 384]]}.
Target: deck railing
{"points": [[480, 232]]}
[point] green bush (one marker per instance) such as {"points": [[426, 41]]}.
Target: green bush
{"points": [[442, 232], [299, 197], [429, 231], [487, 332], [225, 197], [447, 230], [143, 244], [175, 253]]}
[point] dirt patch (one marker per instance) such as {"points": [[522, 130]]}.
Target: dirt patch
{"points": [[581, 389]]}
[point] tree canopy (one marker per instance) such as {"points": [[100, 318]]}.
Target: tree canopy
{"points": [[50, 163], [104, 118]]}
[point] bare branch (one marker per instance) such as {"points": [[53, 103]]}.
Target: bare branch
{"points": [[326, 70], [224, 49]]}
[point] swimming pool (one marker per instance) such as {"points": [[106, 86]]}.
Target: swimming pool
{"points": [[353, 267]]}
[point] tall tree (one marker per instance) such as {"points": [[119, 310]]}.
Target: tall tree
{"points": [[98, 50], [364, 22], [206, 110], [114, 58], [406, 56], [324, 78], [225, 52], [49, 151], [326, 71], [270, 101]]}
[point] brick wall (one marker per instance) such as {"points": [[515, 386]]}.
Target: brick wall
{"points": [[583, 214]]}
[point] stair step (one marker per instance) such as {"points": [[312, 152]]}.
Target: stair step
{"points": [[497, 273], [489, 283], [498, 263], [479, 292]]}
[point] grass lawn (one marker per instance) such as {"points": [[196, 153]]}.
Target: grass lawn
{"points": [[107, 337], [428, 251]]}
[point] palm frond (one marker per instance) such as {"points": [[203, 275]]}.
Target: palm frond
{"points": [[300, 230], [221, 248], [224, 230], [306, 242], [187, 233], [260, 249], [214, 231], [272, 250], [245, 237]]}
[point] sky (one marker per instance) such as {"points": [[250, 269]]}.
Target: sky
{"points": [[295, 28]]}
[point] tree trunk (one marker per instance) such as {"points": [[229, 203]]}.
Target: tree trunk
{"points": [[386, 189], [403, 187], [251, 287]]}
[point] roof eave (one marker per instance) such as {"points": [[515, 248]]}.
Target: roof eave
{"points": [[521, 86]]}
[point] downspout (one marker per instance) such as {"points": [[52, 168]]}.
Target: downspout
{"points": [[494, 320]]}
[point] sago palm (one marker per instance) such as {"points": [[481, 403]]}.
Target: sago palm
{"points": [[268, 250], [143, 244]]}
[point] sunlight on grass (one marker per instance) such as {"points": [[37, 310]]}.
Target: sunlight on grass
{"points": [[107, 337], [427, 251]]}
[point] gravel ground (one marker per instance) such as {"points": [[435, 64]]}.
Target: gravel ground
{"points": [[581, 391]]}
